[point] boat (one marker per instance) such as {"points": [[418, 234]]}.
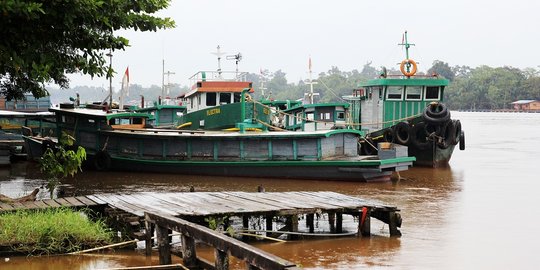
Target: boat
{"points": [[407, 109], [11, 130], [124, 141]]}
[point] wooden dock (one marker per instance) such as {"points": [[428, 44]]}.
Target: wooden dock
{"points": [[196, 206], [146, 213]]}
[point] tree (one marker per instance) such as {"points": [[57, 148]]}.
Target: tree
{"points": [[43, 40], [443, 69], [61, 161]]}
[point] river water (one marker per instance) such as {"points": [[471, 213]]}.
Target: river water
{"points": [[482, 212]]}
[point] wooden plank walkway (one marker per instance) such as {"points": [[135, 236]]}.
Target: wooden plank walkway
{"points": [[195, 206], [238, 203]]}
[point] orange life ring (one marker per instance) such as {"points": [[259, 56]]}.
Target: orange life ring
{"points": [[414, 67]]}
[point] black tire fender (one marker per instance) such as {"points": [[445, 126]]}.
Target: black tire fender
{"points": [[367, 148], [457, 132], [462, 141], [402, 133], [448, 134], [389, 135]]}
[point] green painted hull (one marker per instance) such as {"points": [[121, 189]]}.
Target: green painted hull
{"points": [[224, 116]]}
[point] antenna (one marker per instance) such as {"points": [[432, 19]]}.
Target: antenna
{"points": [[218, 53], [311, 83], [263, 80], [236, 57]]}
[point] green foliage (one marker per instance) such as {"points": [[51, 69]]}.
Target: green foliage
{"points": [[49, 231], [219, 223], [43, 40], [62, 161]]}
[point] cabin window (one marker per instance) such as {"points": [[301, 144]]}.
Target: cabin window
{"points": [[199, 100], [325, 116], [236, 97], [211, 99], [394, 93], [413, 93], [191, 103], [432, 93], [298, 118], [224, 98], [310, 116], [137, 121], [340, 116]]}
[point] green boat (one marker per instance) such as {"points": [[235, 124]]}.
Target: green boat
{"points": [[407, 109], [123, 141]]}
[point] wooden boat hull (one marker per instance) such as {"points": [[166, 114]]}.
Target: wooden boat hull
{"points": [[315, 170]]}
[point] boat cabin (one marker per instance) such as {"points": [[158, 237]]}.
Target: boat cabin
{"points": [[318, 116], [164, 116], [213, 88], [383, 102]]}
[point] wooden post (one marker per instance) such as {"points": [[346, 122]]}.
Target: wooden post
{"points": [[222, 259], [150, 228], [310, 222], [292, 225], [393, 219], [163, 245], [189, 255], [269, 224], [339, 222], [245, 225], [364, 226], [332, 222]]}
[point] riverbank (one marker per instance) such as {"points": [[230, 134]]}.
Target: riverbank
{"points": [[50, 231]]}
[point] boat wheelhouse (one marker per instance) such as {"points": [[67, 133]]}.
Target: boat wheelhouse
{"points": [[407, 109], [217, 101]]}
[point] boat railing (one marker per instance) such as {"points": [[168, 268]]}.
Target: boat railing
{"points": [[233, 76], [401, 76]]}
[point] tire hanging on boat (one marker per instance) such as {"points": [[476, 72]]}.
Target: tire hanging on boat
{"points": [[448, 135], [457, 132], [419, 136], [462, 141], [389, 135], [436, 113], [102, 161], [402, 133], [367, 147]]}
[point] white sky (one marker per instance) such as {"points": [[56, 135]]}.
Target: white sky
{"points": [[280, 34]]}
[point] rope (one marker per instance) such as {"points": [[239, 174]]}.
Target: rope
{"points": [[303, 233], [329, 89]]}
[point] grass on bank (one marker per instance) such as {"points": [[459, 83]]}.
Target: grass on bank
{"points": [[51, 231]]}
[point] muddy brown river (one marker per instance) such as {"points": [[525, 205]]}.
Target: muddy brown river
{"points": [[482, 212]]}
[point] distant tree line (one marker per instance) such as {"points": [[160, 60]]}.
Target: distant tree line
{"points": [[470, 88]]}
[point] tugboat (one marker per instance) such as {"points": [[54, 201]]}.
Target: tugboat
{"points": [[407, 109]]}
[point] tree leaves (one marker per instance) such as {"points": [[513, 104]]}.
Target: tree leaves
{"points": [[44, 40]]}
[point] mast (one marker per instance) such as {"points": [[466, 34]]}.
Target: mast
{"points": [[219, 53], [405, 42], [311, 83]]}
